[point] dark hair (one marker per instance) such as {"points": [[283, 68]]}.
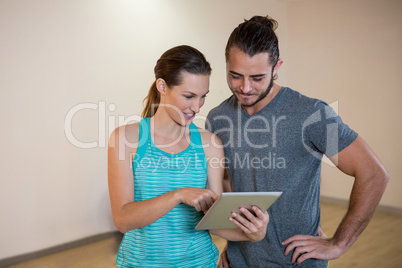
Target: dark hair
{"points": [[254, 36], [170, 67]]}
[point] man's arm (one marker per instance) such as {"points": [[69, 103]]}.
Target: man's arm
{"points": [[226, 181], [371, 178]]}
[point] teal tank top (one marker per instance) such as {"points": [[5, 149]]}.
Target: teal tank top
{"points": [[172, 240]]}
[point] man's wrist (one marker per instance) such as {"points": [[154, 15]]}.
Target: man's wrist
{"points": [[339, 246]]}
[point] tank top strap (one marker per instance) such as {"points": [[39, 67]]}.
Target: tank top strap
{"points": [[196, 142], [195, 135], [143, 140]]}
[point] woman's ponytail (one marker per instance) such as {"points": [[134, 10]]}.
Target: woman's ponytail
{"points": [[151, 101]]}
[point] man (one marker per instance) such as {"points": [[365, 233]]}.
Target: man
{"points": [[274, 139]]}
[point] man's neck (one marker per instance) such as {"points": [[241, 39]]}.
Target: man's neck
{"points": [[264, 102]]}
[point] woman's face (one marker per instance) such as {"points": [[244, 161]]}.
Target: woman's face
{"points": [[184, 101]]}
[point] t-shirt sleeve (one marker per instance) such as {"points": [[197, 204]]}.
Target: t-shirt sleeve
{"points": [[325, 132]]}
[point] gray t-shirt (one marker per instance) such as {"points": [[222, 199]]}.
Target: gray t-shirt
{"points": [[279, 148]]}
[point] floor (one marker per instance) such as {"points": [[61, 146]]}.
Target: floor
{"points": [[380, 245]]}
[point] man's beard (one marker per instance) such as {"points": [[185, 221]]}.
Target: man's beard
{"points": [[262, 95]]}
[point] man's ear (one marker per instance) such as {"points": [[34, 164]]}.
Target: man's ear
{"points": [[161, 86], [277, 66]]}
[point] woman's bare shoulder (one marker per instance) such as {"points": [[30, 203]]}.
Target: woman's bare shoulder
{"points": [[211, 143], [127, 134]]}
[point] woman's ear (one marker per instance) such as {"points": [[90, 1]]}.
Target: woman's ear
{"points": [[161, 86]]}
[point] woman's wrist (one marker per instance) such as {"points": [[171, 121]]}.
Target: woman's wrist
{"points": [[177, 195]]}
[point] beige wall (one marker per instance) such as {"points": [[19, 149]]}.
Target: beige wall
{"points": [[349, 52], [56, 55]]}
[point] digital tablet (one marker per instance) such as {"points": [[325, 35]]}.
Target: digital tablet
{"points": [[217, 217]]}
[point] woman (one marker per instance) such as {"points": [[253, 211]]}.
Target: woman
{"points": [[157, 187]]}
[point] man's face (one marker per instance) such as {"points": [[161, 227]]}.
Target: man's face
{"points": [[249, 78]]}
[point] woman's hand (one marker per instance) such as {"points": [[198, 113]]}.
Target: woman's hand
{"points": [[200, 199]]}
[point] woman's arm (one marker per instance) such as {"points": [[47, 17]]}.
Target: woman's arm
{"points": [[253, 229], [127, 214]]}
